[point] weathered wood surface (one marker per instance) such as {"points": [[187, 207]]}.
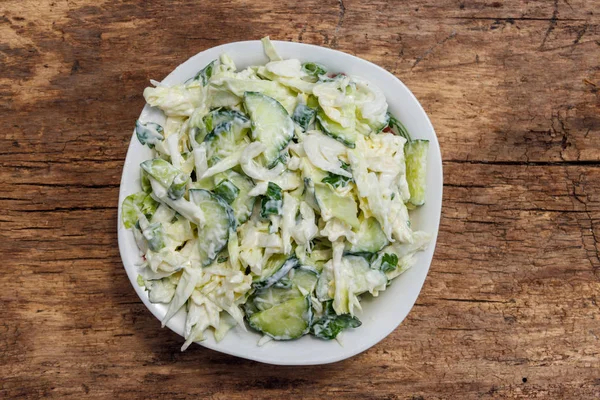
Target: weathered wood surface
{"points": [[511, 307]]}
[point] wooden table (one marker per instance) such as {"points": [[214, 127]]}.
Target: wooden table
{"points": [[511, 307]]}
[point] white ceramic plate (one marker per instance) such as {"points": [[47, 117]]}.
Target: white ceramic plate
{"points": [[380, 315]]}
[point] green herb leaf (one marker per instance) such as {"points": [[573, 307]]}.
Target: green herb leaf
{"points": [[330, 324], [272, 201], [206, 72], [389, 262]]}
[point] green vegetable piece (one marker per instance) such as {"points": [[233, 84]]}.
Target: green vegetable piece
{"points": [[160, 290], [343, 208], [273, 264], [243, 203], [345, 135], [130, 208], [145, 181], [389, 262], [134, 203], [275, 274], [416, 170], [271, 125], [227, 130], [270, 49], [368, 256], [312, 101], [296, 282], [303, 115], [206, 72], [161, 170], [398, 128], [330, 324], [314, 69], [309, 193], [376, 127], [304, 278], [223, 141], [264, 299], [177, 188], [149, 133], [338, 180], [199, 133], [370, 237], [213, 236], [148, 206], [220, 115], [227, 191], [155, 236], [285, 321], [272, 201]]}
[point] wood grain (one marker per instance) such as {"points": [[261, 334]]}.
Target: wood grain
{"points": [[511, 305]]}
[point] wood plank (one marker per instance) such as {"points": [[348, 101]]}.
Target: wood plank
{"points": [[510, 307]]}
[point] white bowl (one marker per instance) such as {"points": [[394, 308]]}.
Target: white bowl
{"points": [[380, 315]]}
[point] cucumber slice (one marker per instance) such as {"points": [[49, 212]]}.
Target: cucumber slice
{"points": [[322, 288], [303, 116], [271, 124], [343, 208], [370, 237], [398, 127], [275, 268], [416, 170], [268, 298], [304, 279], [220, 115], [213, 236], [243, 203], [224, 140], [227, 191], [289, 320], [347, 135]]}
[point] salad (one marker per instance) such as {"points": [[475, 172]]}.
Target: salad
{"points": [[277, 197]]}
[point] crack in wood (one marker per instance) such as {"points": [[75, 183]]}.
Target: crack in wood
{"points": [[432, 48], [581, 33], [509, 19], [566, 163], [551, 24], [474, 300], [338, 26]]}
